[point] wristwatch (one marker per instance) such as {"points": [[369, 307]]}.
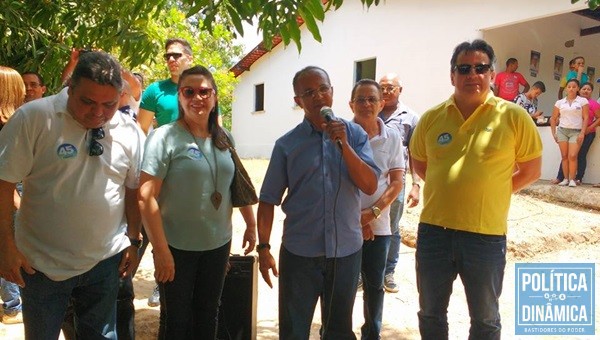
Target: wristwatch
{"points": [[376, 211], [262, 246], [135, 242]]}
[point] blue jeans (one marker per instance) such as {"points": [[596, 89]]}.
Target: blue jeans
{"points": [[581, 158], [479, 259], [396, 210], [94, 297], [374, 254], [11, 297], [189, 305], [303, 280]]}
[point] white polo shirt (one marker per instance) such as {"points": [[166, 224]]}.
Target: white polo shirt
{"points": [[388, 155], [72, 213]]}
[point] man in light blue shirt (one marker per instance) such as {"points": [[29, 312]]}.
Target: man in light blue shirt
{"points": [[323, 166]]}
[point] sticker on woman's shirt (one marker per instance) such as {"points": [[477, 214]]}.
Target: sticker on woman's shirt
{"points": [[194, 153], [66, 151]]}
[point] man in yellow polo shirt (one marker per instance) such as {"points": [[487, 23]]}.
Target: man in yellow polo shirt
{"points": [[473, 151]]}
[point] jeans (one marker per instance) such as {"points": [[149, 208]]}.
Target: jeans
{"points": [[189, 305], [303, 280], [581, 158], [478, 259], [11, 297], [396, 210], [94, 296], [374, 255]]}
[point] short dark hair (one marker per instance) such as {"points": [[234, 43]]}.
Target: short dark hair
{"points": [[511, 61], [99, 67], [217, 134], [187, 48], [540, 85], [589, 84], [475, 45], [365, 82], [39, 77], [306, 70]]}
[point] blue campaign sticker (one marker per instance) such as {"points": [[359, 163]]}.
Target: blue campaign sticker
{"points": [[66, 150], [444, 138], [554, 299], [194, 153]]}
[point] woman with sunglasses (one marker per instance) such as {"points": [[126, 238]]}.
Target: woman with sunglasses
{"points": [[571, 114], [186, 208]]}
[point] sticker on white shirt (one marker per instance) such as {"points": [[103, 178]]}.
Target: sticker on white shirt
{"points": [[66, 151]]}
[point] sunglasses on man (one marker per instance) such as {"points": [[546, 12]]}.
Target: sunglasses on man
{"points": [[465, 69], [172, 55], [95, 148]]}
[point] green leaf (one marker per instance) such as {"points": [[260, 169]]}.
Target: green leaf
{"points": [[316, 8], [295, 33], [311, 24], [235, 18]]}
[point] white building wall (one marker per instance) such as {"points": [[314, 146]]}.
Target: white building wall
{"points": [[412, 38]]}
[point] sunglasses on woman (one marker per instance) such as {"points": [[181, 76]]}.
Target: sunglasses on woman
{"points": [[189, 92]]}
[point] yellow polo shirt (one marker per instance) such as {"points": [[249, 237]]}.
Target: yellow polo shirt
{"points": [[470, 163]]}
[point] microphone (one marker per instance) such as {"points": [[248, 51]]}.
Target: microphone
{"points": [[327, 113]]}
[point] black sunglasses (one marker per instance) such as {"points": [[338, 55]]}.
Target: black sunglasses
{"points": [[172, 55], [96, 149], [466, 68], [190, 92]]}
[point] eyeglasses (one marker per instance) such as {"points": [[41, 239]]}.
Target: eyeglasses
{"points": [[466, 68], [388, 88], [364, 100], [172, 55], [189, 92], [323, 89], [96, 149]]}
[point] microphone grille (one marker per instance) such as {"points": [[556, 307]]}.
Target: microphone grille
{"points": [[326, 111]]}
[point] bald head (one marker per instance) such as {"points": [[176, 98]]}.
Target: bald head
{"points": [[391, 88], [391, 78]]}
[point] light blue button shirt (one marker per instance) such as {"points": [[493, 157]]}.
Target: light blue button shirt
{"points": [[322, 204]]}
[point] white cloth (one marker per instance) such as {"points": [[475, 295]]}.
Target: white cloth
{"points": [[571, 116], [72, 213], [388, 155]]}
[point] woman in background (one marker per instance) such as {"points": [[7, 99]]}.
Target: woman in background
{"points": [[571, 113], [185, 201], [12, 95]]}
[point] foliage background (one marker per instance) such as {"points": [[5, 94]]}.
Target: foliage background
{"points": [[37, 35]]}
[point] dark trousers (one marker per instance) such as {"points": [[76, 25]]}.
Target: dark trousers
{"points": [[374, 255], [304, 280], [189, 305], [91, 294], [479, 260]]}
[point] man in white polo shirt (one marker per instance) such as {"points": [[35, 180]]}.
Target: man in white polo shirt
{"points": [[79, 164]]}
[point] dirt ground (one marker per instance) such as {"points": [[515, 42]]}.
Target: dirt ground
{"points": [[539, 231]]}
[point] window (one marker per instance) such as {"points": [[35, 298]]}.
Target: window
{"points": [[259, 97], [365, 69]]}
